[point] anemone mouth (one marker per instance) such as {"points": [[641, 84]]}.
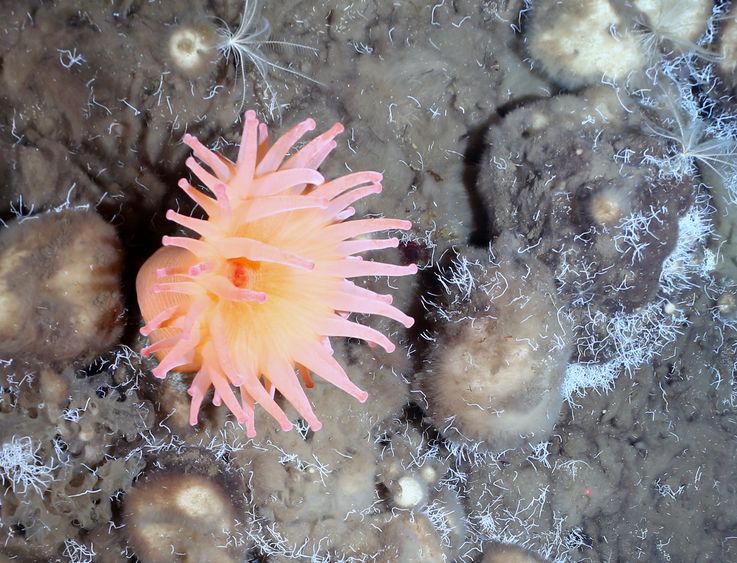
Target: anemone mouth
{"points": [[242, 272]]}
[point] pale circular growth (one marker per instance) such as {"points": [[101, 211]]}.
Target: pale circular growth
{"points": [[728, 47], [429, 473], [435, 533], [494, 377], [187, 514], [410, 491], [508, 553], [727, 304], [409, 470], [608, 205], [195, 500], [492, 387], [411, 537], [677, 23], [578, 42], [191, 47], [60, 295]]}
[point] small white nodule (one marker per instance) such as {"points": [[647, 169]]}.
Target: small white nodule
{"points": [[411, 492], [187, 47]]}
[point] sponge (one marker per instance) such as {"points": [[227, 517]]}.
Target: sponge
{"points": [[500, 351], [60, 296]]}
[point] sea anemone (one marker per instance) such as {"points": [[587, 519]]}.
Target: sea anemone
{"points": [[254, 301]]}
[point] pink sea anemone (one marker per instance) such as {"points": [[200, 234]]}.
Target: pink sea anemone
{"points": [[254, 300]]}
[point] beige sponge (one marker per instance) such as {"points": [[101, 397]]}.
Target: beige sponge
{"points": [[578, 42], [581, 42], [494, 375], [189, 511], [60, 296]]}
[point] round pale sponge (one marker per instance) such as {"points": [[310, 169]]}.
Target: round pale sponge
{"points": [[679, 21], [494, 387], [191, 47], [728, 48], [187, 514], [578, 42], [494, 376], [508, 553], [60, 296]]}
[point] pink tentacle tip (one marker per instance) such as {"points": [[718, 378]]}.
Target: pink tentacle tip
{"points": [[361, 396], [193, 143], [166, 272], [237, 379], [201, 268], [255, 296], [345, 214], [158, 372], [170, 214], [263, 132], [156, 288], [194, 407]]}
